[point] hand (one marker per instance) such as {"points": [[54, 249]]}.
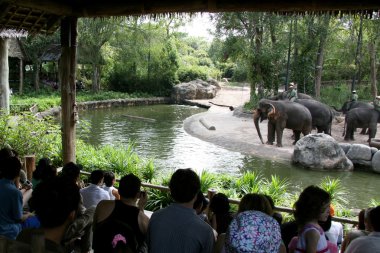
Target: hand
{"points": [[142, 200]]}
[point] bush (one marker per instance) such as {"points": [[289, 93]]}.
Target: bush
{"points": [[187, 74]]}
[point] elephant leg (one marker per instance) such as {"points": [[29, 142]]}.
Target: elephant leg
{"points": [[271, 133], [297, 135], [364, 131], [372, 131], [279, 136]]}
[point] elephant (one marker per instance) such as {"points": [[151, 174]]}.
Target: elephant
{"points": [[361, 117], [280, 115], [321, 114], [348, 105], [282, 96]]}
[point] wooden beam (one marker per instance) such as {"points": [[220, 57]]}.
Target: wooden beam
{"points": [[4, 75], [63, 8], [67, 81]]}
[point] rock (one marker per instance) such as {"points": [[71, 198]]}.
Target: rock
{"points": [[362, 162], [359, 152], [345, 146], [373, 150], [196, 89], [376, 162], [214, 82], [321, 152]]}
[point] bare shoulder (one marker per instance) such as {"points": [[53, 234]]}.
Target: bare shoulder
{"points": [[104, 209]]}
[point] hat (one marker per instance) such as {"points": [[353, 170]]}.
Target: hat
{"points": [[377, 97], [253, 231], [354, 91]]}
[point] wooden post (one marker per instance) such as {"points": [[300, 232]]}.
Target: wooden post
{"points": [[210, 194], [68, 93], [4, 75], [21, 83], [29, 165]]}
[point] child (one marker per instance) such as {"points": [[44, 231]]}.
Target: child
{"points": [[313, 205], [109, 181]]}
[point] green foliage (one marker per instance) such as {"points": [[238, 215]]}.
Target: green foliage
{"points": [[208, 180], [276, 188], [28, 135], [374, 203], [191, 73], [336, 190], [249, 182]]}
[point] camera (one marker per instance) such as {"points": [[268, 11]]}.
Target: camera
{"points": [[27, 184], [142, 194]]}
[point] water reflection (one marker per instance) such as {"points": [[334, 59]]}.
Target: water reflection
{"points": [[171, 147]]}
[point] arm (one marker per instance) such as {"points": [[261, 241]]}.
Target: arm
{"points": [[143, 222], [115, 193], [311, 238]]}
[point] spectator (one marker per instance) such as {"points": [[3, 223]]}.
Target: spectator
{"points": [[335, 232], [276, 215], [55, 203], [257, 202], [177, 228], [109, 181], [363, 229], [82, 225], [313, 205], [44, 171], [11, 213], [93, 193], [370, 243], [253, 231], [122, 218], [200, 205], [221, 216]]}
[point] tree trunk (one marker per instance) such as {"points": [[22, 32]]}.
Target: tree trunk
{"points": [[4, 76], [372, 57], [36, 72], [319, 61], [21, 82], [68, 92], [94, 78]]}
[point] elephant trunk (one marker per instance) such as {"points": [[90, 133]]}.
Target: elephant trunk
{"points": [[256, 116]]}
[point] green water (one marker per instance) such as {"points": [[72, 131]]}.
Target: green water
{"points": [[171, 147]]}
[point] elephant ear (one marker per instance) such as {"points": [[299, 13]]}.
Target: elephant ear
{"points": [[272, 112]]}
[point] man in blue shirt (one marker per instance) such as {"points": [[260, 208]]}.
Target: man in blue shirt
{"points": [[10, 198]]}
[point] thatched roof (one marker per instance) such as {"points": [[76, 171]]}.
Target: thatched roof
{"points": [[43, 16], [16, 50], [52, 53]]}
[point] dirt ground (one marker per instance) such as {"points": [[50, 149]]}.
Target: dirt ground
{"points": [[239, 134]]}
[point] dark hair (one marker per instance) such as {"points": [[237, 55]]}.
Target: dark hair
{"points": [[108, 178], [374, 218], [42, 164], [184, 185], [309, 204], [361, 224], [200, 201], [219, 204], [5, 153], [257, 202], [54, 200], [96, 176], [325, 225], [129, 186], [71, 171], [12, 167]]}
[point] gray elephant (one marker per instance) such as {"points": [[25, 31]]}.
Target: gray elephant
{"points": [[280, 115], [321, 114], [348, 105], [282, 96], [361, 117]]}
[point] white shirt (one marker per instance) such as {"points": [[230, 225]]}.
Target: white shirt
{"points": [[92, 195], [109, 190], [335, 233], [365, 244]]}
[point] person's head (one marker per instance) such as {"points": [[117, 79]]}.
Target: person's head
{"points": [[374, 217], [199, 204], [313, 204], [354, 92], [42, 164], [5, 153], [129, 186], [361, 224], [97, 177], [367, 222], [219, 204], [71, 171], [291, 87], [257, 202], [55, 202], [377, 97], [109, 178], [184, 185], [11, 168]]}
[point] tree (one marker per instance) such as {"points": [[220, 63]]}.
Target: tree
{"points": [[93, 34], [35, 46]]}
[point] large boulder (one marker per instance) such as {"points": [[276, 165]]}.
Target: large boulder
{"points": [[321, 152], [197, 89], [376, 162], [359, 152]]}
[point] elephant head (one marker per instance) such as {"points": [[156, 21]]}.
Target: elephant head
{"points": [[264, 111]]}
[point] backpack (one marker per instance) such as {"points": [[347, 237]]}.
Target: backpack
{"points": [[114, 236]]}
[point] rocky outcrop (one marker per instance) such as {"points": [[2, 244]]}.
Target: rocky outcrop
{"points": [[321, 152], [197, 89]]}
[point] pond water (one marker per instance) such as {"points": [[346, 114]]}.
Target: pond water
{"points": [[166, 141]]}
